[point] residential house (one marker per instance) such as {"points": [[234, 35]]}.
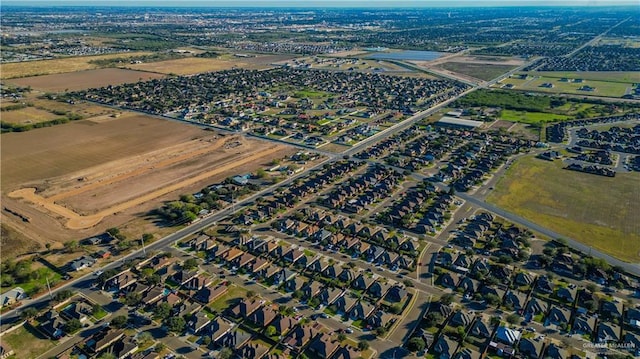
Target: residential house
{"points": [[295, 283], [536, 306], [467, 353], [198, 282], [567, 294], [584, 325], [78, 310], [449, 280], [12, 296], [301, 335], [524, 279], [379, 318], [53, 326], [103, 339], [234, 339], [82, 263], [283, 324], [218, 328], [468, 285], [362, 282], [153, 295], [122, 348], [183, 276], [347, 352], [481, 328], [120, 281], [445, 347], [607, 332], [361, 310], [263, 316], [396, 294], [515, 300], [460, 319], [555, 352], [558, 316], [344, 304], [246, 307], [198, 322], [323, 346], [329, 295], [378, 289], [530, 348], [611, 308]]}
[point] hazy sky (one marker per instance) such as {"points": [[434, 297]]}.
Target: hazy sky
{"points": [[323, 3]]}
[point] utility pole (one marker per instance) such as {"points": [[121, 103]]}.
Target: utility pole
{"points": [[144, 250], [49, 287]]}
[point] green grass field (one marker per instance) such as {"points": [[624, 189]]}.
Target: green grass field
{"points": [[531, 117], [609, 76], [598, 211]]}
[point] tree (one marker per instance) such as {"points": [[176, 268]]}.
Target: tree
{"points": [[446, 299], [363, 345], [513, 318], [271, 331], [381, 331], [591, 287], [48, 247], [206, 340], [342, 337], [71, 246], [416, 344], [175, 324], [72, 326], [433, 319], [62, 295], [408, 283], [162, 311], [261, 173], [250, 294], [189, 264], [396, 308], [119, 321], [225, 353], [159, 347], [29, 313], [145, 337], [132, 299], [147, 237], [113, 231]]}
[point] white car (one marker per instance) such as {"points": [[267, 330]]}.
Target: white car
{"points": [[97, 273], [349, 330]]}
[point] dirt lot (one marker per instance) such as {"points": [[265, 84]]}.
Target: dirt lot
{"points": [[84, 79], [76, 180], [194, 65], [57, 66], [27, 115]]}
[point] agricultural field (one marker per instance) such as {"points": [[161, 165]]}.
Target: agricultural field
{"points": [[78, 179], [57, 66], [598, 211], [344, 64], [480, 71], [27, 115], [81, 80], [194, 65]]}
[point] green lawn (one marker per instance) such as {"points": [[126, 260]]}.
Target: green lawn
{"points": [[531, 117], [38, 284], [602, 88], [598, 211], [231, 296], [610, 76], [309, 94]]}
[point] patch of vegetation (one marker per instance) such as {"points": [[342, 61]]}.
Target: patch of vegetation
{"points": [[598, 211], [21, 274], [480, 71]]}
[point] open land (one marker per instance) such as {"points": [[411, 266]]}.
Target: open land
{"points": [[595, 210], [27, 115], [81, 80], [478, 70], [56, 66], [194, 65], [113, 167]]}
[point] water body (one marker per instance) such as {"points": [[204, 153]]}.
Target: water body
{"points": [[412, 55]]}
